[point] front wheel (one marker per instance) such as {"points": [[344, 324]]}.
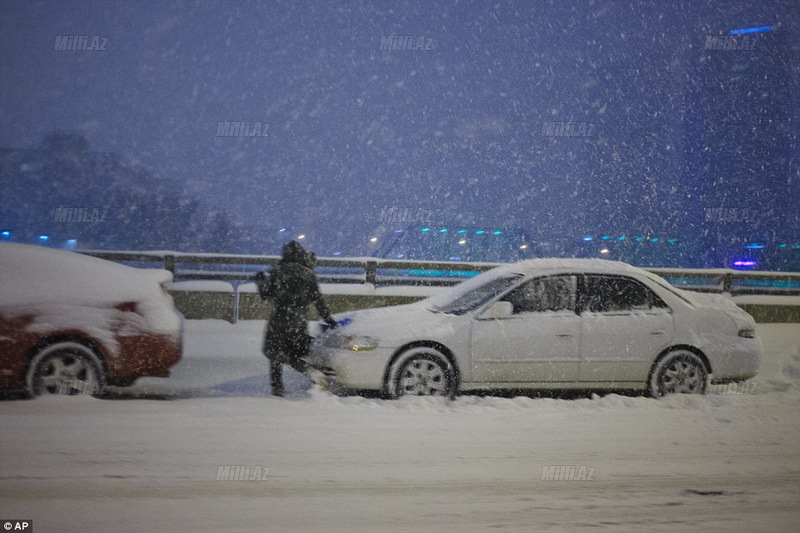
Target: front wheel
{"points": [[421, 371], [69, 368], [679, 372]]}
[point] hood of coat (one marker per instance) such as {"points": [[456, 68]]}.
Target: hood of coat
{"points": [[293, 252]]}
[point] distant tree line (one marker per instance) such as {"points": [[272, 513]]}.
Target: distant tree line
{"points": [[63, 190]]}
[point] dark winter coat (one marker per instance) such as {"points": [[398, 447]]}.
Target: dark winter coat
{"points": [[292, 287]]}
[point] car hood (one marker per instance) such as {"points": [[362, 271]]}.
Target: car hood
{"points": [[721, 303], [396, 325]]}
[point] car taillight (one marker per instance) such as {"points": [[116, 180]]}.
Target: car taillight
{"points": [[127, 307], [747, 333]]}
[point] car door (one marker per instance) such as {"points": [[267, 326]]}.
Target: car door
{"points": [[624, 326], [537, 342]]}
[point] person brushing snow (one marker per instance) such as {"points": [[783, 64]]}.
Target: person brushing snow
{"points": [[291, 286]]}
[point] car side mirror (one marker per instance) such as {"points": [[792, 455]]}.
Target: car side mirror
{"points": [[498, 310]]}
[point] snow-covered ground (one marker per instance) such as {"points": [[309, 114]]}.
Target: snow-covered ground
{"points": [[149, 461]]}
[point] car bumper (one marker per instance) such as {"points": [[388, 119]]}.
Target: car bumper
{"points": [[144, 355], [736, 363], [349, 369]]}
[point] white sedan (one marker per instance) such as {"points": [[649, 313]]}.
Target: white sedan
{"points": [[543, 324]]}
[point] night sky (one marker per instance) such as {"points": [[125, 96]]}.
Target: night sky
{"points": [[353, 130]]}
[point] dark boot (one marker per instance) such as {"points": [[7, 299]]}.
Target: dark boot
{"points": [[276, 377]]}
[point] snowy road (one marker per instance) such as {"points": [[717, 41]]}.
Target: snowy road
{"points": [[715, 463]]}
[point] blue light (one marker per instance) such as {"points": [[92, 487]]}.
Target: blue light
{"points": [[443, 230], [605, 237], [428, 273], [71, 244], [6, 234], [620, 238], [754, 246], [337, 253], [672, 240], [497, 233], [745, 264], [759, 29], [398, 231], [782, 246], [426, 229], [588, 238], [462, 231], [655, 239], [43, 237], [480, 232], [281, 230], [639, 239]]}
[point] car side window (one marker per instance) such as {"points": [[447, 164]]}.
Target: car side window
{"points": [[605, 294], [552, 293]]}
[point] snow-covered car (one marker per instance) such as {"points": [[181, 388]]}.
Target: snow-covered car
{"points": [[544, 324], [72, 324]]}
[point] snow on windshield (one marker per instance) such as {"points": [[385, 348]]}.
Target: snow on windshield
{"points": [[474, 292]]}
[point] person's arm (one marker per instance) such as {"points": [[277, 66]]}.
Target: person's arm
{"points": [[266, 285], [322, 307]]}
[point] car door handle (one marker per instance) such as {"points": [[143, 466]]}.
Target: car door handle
{"points": [[563, 335], [657, 333]]}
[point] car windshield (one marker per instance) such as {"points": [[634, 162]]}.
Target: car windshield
{"points": [[473, 293]]}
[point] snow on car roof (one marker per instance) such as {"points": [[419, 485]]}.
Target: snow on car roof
{"points": [[530, 266], [33, 274]]}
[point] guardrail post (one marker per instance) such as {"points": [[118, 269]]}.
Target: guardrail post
{"points": [[727, 282], [169, 263], [235, 315], [372, 272]]}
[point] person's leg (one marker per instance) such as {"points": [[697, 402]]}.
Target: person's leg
{"points": [[299, 365], [276, 377], [298, 348]]}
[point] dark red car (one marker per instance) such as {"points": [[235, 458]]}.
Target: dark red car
{"points": [[72, 324]]}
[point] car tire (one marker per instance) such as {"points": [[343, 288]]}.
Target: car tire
{"points": [[678, 372], [421, 371], [68, 368]]}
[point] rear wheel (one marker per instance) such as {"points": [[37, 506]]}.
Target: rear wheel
{"points": [[69, 368], [679, 372], [421, 371]]}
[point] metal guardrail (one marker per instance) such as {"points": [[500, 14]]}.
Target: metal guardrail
{"points": [[239, 269], [234, 268], [329, 270]]}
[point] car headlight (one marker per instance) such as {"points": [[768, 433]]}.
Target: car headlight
{"points": [[747, 333], [356, 343]]}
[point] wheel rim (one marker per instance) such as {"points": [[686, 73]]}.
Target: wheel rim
{"points": [[682, 377], [423, 377], [65, 372]]}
